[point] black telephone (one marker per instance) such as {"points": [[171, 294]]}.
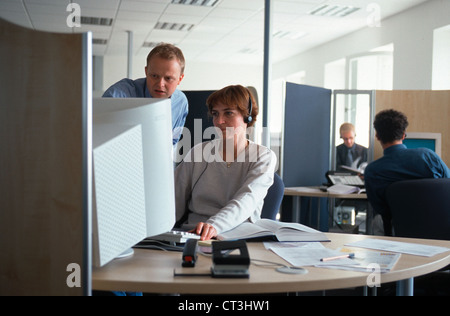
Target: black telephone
{"points": [[347, 178]]}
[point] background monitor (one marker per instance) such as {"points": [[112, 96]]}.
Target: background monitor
{"points": [[432, 141], [155, 118]]}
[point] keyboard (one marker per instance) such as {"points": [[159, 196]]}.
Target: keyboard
{"points": [[178, 237], [347, 180], [355, 180]]}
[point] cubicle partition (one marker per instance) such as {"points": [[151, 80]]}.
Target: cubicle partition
{"points": [[197, 122], [306, 143], [45, 170], [427, 112]]}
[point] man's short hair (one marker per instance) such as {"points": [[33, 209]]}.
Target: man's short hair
{"points": [[390, 126], [169, 52], [347, 127]]}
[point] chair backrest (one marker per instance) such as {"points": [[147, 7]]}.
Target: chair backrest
{"points": [[420, 208], [273, 199]]}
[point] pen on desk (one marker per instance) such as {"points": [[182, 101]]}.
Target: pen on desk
{"points": [[350, 256]]}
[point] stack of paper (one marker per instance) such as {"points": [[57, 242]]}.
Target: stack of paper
{"points": [[400, 247], [343, 189], [310, 254]]}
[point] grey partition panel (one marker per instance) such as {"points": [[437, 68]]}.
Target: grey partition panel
{"points": [[306, 144], [197, 122], [307, 128]]}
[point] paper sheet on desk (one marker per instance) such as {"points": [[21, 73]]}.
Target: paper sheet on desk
{"points": [[385, 261], [308, 254], [400, 247]]}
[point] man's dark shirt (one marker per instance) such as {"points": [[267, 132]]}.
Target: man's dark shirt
{"points": [[357, 151], [397, 164]]}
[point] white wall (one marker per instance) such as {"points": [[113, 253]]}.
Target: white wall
{"points": [[411, 32], [198, 76]]}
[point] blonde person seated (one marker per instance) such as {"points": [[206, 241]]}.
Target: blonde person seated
{"points": [[222, 183]]}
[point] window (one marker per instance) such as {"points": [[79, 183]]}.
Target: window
{"points": [[441, 59], [373, 70]]}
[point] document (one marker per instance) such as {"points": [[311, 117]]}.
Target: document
{"points": [[266, 229], [385, 261], [309, 254], [400, 247], [344, 189]]}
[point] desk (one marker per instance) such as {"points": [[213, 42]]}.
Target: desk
{"points": [[314, 192], [151, 271]]}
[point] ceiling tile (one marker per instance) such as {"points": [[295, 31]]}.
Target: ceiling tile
{"points": [[231, 31], [143, 6]]}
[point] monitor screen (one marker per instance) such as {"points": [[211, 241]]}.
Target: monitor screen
{"points": [[155, 118], [432, 141], [420, 143]]}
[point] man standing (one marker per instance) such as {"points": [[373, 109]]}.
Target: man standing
{"points": [[398, 162], [164, 73]]}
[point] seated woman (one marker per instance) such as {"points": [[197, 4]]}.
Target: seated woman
{"points": [[222, 183]]}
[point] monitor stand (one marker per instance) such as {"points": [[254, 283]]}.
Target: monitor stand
{"points": [[126, 254]]}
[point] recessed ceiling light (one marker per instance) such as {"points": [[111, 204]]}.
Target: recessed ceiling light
{"points": [[202, 3], [96, 21], [289, 35], [99, 41], [249, 51], [150, 44], [339, 11], [174, 26]]}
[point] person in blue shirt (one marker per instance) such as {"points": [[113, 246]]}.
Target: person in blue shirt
{"points": [[398, 163], [164, 73]]}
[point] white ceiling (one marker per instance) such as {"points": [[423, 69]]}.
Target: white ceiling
{"points": [[230, 32]]}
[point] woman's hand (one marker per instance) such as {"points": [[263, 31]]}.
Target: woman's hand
{"points": [[205, 231]]}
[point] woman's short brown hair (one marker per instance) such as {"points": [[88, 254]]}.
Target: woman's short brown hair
{"points": [[237, 97]]}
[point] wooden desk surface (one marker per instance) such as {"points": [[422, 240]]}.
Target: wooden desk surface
{"points": [[151, 271]]}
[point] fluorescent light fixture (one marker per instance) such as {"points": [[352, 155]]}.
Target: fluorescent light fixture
{"points": [[249, 51], [99, 41], [202, 3], [339, 11], [96, 21], [289, 35], [174, 26], [150, 44]]}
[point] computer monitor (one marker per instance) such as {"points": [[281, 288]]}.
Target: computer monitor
{"points": [[432, 141], [154, 116], [118, 201]]}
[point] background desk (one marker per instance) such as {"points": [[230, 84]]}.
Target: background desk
{"points": [[314, 192], [151, 271]]}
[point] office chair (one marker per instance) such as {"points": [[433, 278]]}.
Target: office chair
{"points": [[273, 199], [420, 208]]}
